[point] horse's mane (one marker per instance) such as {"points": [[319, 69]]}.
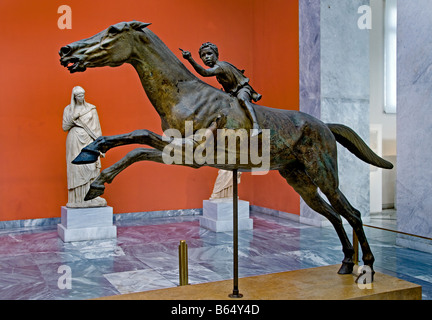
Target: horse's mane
{"points": [[169, 57]]}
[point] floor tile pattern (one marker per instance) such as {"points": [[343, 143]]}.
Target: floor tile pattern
{"points": [[145, 256]]}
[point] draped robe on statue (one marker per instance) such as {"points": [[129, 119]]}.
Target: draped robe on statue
{"points": [[80, 131], [223, 187]]}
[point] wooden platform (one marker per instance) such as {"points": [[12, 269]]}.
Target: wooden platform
{"points": [[321, 283]]}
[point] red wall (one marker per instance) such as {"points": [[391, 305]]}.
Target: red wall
{"points": [[259, 36]]}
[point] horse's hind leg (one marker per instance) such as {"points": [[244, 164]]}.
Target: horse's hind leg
{"points": [[353, 216], [304, 186], [97, 188], [324, 175]]}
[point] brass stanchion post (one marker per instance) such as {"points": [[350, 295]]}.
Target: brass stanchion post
{"points": [[356, 248], [183, 263]]}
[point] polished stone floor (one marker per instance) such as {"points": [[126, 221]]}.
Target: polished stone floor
{"points": [[36, 264]]}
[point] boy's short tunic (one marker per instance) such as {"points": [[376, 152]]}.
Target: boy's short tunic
{"points": [[232, 80]]}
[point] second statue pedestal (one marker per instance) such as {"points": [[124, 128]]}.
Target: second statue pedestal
{"points": [[218, 215], [86, 224]]}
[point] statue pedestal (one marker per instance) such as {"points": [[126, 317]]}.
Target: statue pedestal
{"points": [[86, 224], [218, 215]]}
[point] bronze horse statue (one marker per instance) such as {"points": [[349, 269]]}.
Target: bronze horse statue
{"points": [[302, 148]]}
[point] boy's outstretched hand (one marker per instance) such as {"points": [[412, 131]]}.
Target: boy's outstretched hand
{"points": [[186, 54]]}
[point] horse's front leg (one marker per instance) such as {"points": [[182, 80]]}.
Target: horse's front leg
{"points": [[91, 153], [97, 188]]}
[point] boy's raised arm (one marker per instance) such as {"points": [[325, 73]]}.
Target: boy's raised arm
{"points": [[198, 68]]}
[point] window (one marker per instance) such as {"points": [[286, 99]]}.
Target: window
{"points": [[390, 58]]}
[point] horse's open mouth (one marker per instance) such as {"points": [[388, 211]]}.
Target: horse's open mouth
{"points": [[73, 65]]}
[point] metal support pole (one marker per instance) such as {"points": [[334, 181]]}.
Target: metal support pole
{"points": [[183, 263], [356, 248], [236, 293]]}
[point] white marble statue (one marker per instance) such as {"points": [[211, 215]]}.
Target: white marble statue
{"points": [[81, 121], [223, 187]]}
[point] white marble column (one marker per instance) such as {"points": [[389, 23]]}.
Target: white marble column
{"points": [[334, 86], [414, 123]]}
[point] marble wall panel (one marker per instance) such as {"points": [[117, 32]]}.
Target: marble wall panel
{"points": [[310, 76], [414, 125], [344, 51], [334, 85], [353, 172], [310, 60]]}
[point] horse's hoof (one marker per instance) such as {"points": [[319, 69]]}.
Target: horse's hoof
{"points": [[346, 268], [86, 156], [94, 192]]}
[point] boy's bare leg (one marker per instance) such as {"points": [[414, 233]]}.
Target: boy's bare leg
{"points": [[250, 112]]}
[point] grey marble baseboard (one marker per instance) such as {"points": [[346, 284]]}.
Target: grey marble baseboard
{"points": [[48, 222], [121, 217], [157, 214], [6, 226], [276, 213], [28, 223]]}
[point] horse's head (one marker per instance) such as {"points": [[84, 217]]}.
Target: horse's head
{"points": [[111, 47]]}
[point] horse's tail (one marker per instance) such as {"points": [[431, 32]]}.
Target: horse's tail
{"points": [[351, 140]]}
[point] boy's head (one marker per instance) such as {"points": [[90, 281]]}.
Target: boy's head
{"points": [[211, 46], [209, 53]]}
